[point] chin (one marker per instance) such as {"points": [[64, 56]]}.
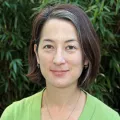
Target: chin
{"points": [[62, 85]]}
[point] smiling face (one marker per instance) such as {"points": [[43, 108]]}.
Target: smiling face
{"points": [[59, 54]]}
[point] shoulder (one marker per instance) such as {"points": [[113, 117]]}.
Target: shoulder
{"points": [[103, 111], [16, 109]]}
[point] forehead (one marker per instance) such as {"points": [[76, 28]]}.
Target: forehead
{"points": [[58, 29]]}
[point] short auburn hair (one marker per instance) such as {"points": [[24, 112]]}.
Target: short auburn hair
{"points": [[87, 36]]}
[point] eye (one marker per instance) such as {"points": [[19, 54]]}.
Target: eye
{"points": [[48, 47], [70, 47]]}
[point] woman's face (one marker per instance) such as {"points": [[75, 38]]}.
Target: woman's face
{"points": [[59, 54]]}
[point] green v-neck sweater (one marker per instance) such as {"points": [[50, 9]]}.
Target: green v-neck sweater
{"points": [[30, 109]]}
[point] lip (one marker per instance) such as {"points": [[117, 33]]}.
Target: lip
{"points": [[59, 70], [59, 73]]}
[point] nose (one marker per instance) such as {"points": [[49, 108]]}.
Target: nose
{"points": [[58, 58]]}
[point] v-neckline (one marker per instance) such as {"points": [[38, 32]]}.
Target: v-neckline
{"points": [[87, 112]]}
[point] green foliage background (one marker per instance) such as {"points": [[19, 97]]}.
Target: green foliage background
{"points": [[16, 18]]}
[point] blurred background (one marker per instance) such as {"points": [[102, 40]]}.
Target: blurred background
{"points": [[16, 18]]}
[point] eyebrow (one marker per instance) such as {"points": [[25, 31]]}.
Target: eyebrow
{"points": [[67, 41]]}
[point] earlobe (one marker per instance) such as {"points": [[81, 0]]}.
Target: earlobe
{"points": [[86, 63]]}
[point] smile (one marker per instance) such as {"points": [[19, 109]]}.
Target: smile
{"points": [[59, 72]]}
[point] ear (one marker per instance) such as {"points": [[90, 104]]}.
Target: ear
{"points": [[36, 53], [86, 62]]}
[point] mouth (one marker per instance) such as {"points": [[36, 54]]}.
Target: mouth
{"points": [[59, 72]]}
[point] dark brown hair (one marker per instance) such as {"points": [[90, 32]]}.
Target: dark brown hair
{"points": [[87, 37]]}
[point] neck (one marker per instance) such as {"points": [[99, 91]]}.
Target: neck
{"points": [[61, 96]]}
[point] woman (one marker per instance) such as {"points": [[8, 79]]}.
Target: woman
{"points": [[64, 55]]}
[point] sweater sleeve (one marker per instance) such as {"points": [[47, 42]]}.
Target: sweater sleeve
{"points": [[8, 113]]}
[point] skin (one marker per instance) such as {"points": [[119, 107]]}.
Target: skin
{"points": [[61, 62]]}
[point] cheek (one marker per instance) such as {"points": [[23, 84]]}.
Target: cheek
{"points": [[76, 60], [77, 66], [45, 60]]}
